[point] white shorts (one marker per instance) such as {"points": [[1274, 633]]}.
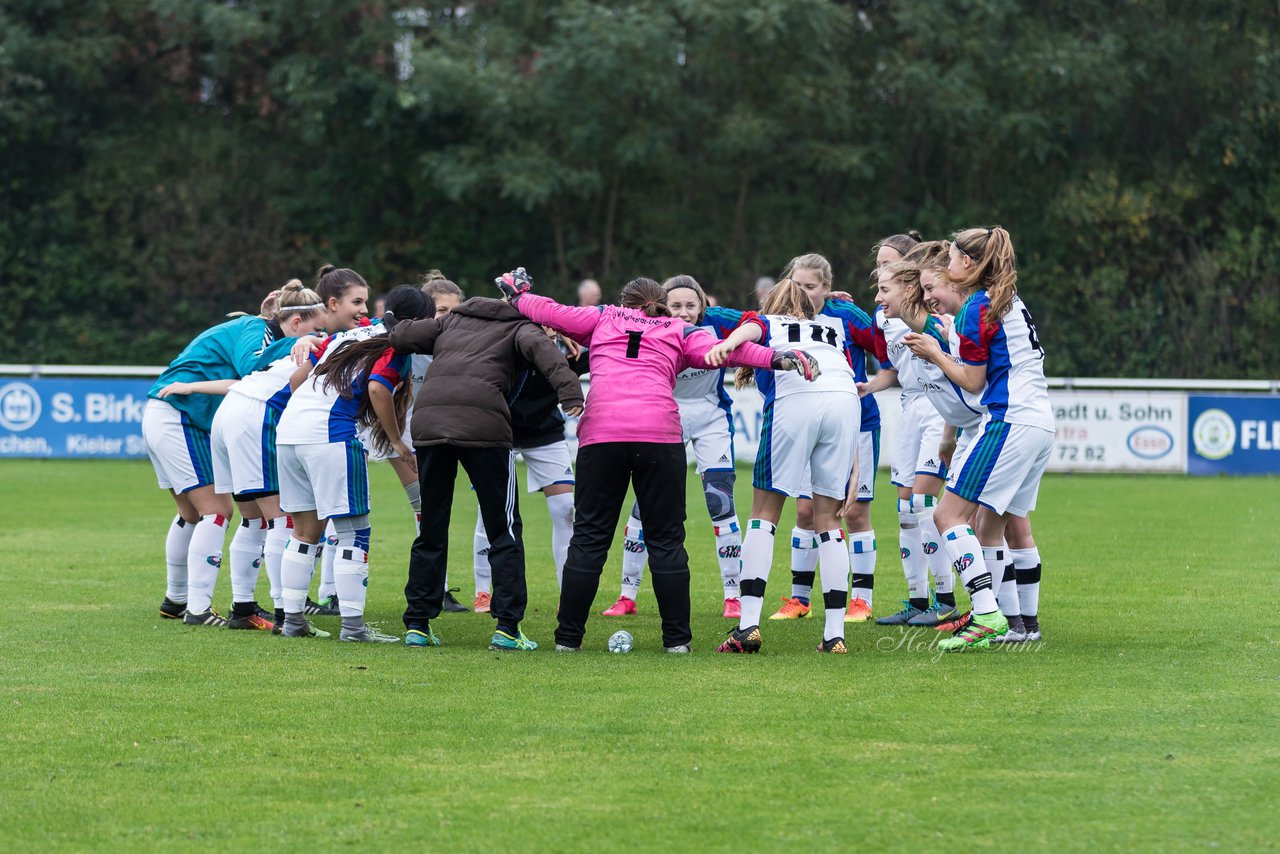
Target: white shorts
{"points": [[915, 447], [964, 438], [868, 463], [709, 430], [179, 451], [331, 479], [547, 465], [1002, 467], [244, 446], [808, 433], [366, 439]]}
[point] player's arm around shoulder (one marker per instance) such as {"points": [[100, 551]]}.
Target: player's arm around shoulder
{"points": [[546, 357]]}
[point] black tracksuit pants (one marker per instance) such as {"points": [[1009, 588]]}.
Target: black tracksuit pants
{"points": [[657, 473], [493, 474]]}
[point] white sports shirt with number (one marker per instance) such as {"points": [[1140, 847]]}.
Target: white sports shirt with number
{"points": [[823, 338], [910, 367], [1010, 349]]}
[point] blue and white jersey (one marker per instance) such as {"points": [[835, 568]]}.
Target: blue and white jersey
{"points": [[890, 334], [704, 387], [1010, 349], [269, 385], [227, 351], [860, 335], [823, 338], [317, 415], [957, 407]]}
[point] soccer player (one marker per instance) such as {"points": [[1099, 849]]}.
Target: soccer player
{"points": [[243, 446], [812, 272], [175, 429], [356, 380], [999, 474], [630, 434], [808, 444], [706, 422], [916, 463]]}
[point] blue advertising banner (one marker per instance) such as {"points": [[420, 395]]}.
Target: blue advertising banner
{"points": [[1233, 434], [73, 418]]}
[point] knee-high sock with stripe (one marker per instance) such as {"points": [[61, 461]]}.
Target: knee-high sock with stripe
{"points": [[204, 559], [1026, 567], [833, 565], [327, 586], [757, 557], [561, 509], [177, 543], [297, 565], [1005, 580], [862, 565], [634, 555], [944, 582], [729, 554], [965, 553], [804, 563], [480, 567], [278, 531], [351, 575], [914, 565], [245, 552]]}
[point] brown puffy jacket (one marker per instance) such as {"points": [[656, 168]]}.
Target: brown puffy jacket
{"points": [[479, 350]]}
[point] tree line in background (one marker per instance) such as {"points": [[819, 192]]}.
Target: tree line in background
{"points": [[165, 161]]}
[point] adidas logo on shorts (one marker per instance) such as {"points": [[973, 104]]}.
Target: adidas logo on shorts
{"points": [[724, 458], [568, 471]]}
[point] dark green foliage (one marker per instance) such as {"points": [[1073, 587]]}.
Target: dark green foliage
{"points": [[163, 162]]}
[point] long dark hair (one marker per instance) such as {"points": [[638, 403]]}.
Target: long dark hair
{"points": [[355, 360]]}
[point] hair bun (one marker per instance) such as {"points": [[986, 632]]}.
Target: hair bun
{"points": [[292, 286], [432, 276], [326, 270], [916, 236]]}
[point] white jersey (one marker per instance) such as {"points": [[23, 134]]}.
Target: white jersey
{"points": [[1009, 347], [270, 385], [316, 414], [909, 366], [823, 338]]}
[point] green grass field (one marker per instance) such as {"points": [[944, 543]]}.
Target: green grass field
{"points": [[1147, 719]]}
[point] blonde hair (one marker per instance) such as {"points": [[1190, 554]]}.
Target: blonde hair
{"points": [[275, 305], [787, 299], [931, 255], [811, 261], [685, 281], [995, 265]]}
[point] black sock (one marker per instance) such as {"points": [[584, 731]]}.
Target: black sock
{"points": [[948, 599], [243, 609], [1032, 623], [919, 604], [279, 617]]}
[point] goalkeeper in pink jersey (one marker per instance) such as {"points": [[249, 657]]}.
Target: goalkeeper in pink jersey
{"points": [[630, 434]]}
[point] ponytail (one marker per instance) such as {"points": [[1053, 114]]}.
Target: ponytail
{"points": [[995, 265], [646, 295]]}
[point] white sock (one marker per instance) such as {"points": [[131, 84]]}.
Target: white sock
{"points": [[634, 555], [246, 558], [729, 553], [965, 553], [1004, 580], [943, 579], [413, 492], [327, 587], [272, 551], [480, 567], [914, 565], [297, 565], [862, 565], [833, 566], [561, 509], [804, 562], [204, 559], [351, 572], [176, 544], [757, 557], [1026, 565]]}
